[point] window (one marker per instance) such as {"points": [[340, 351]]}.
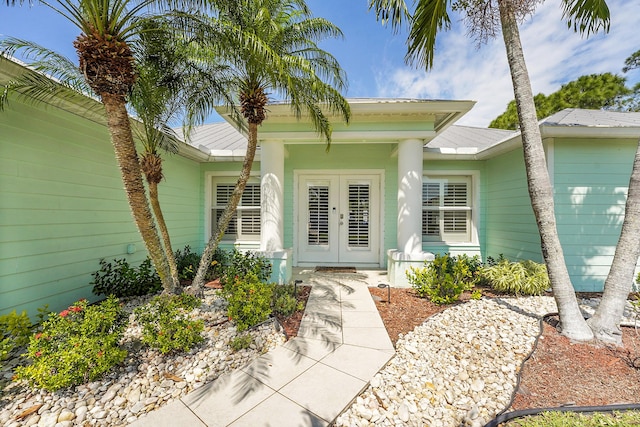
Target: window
{"points": [[245, 223], [446, 209]]}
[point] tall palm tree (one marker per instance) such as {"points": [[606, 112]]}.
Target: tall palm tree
{"points": [[167, 85], [484, 17], [284, 58], [108, 27]]}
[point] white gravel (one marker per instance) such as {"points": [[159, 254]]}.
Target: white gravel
{"points": [[456, 369]]}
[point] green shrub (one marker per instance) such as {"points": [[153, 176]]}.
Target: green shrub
{"points": [[16, 327], [241, 342], [77, 345], [219, 261], [15, 330], [242, 264], [118, 278], [187, 263], [166, 324], [249, 300], [285, 301], [517, 278], [445, 278]]}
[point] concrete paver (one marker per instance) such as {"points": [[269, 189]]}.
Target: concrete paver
{"points": [[308, 381]]}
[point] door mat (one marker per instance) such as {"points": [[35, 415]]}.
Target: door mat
{"points": [[320, 269]]}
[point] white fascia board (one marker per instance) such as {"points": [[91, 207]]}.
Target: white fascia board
{"points": [[190, 152], [589, 132], [338, 137], [230, 155]]}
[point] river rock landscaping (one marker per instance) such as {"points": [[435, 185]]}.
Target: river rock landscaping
{"points": [[145, 381]]}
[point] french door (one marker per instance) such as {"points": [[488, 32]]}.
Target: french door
{"points": [[339, 219]]}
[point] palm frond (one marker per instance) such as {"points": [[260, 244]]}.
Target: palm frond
{"points": [[38, 89], [586, 16], [394, 12], [47, 62], [430, 17]]}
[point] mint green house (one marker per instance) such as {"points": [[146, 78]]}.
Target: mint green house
{"points": [[400, 183]]}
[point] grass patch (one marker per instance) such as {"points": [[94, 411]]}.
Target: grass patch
{"points": [[575, 419]]}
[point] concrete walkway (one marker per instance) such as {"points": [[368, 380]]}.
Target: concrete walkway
{"points": [[310, 380]]}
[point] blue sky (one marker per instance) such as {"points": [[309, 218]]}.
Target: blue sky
{"points": [[373, 56]]}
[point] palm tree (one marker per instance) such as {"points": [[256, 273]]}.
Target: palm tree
{"points": [[156, 99], [484, 17], [108, 27], [284, 57]]}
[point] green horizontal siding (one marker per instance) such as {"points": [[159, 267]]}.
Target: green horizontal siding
{"points": [[63, 207], [510, 223], [590, 181]]}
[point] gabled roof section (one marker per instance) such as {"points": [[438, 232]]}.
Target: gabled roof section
{"points": [[592, 118], [579, 123], [220, 141], [372, 120], [466, 140]]}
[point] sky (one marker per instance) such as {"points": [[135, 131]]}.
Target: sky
{"points": [[374, 57]]}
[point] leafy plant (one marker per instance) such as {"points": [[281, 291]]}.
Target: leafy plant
{"points": [[118, 278], [187, 263], [219, 261], [15, 330], [285, 301], [243, 264], [43, 313], [77, 345], [166, 324], [445, 278], [241, 342], [16, 326], [518, 278], [476, 294], [249, 300]]}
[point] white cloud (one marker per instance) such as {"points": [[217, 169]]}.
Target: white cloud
{"points": [[554, 55]]}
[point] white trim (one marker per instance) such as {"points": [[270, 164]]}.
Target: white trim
{"points": [[550, 149], [208, 190], [475, 207], [332, 172], [348, 137]]}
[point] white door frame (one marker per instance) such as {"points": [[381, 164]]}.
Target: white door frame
{"points": [[329, 174]]}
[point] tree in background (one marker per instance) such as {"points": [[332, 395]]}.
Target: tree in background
{"points": [[593, 91], [484, 19], [285, 59], [631, 101]]}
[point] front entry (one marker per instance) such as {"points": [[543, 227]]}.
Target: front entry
{"points": [[339, 219]]}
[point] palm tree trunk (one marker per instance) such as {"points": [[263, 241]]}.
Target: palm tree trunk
{"points": [[162, 225], [618, 284], [205, 261], [572, 322], [122, 140]]}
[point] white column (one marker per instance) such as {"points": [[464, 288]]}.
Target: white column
{"points": [[271, 196], [410, 196]]}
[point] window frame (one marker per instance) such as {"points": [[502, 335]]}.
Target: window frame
{"points": [[472, 206], [213, 179]]}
